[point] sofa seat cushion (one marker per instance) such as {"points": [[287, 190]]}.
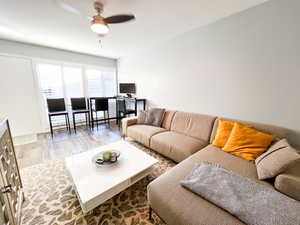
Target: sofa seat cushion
{"points": [[143, 133], [179, 206], [288, 182], [176, 146], [195, 125]]}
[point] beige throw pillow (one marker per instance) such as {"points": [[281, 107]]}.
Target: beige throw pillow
{"points": [[276, 160]]}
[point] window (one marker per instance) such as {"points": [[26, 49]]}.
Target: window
{"points": [[50, 81], [51, 86], [94, 83], [73, 82], [109, 84], [64, 81], [101, 83]]}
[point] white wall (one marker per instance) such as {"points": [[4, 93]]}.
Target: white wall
{"points": [[246, 66], [18, 87], [18, 98]]}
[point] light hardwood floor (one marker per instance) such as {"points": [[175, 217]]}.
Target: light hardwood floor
{"points": [[63, 144]]}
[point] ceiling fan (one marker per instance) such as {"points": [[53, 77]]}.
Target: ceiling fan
{"points": [[99, 24]]}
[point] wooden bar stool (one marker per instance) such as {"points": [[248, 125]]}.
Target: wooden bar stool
{"points": [[57, 107], [79, 106]]}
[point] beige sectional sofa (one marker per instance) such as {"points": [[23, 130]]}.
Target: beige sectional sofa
{"points": [[181, 135], [186, 138]]}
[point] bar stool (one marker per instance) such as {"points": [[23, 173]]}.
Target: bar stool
{"points": [[79, 106], [57, 107], [101, 105], [123, 109]]}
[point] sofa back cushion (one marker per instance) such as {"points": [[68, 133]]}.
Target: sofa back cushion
{"points": [[270, 129], [167, 120], [194, 125]]}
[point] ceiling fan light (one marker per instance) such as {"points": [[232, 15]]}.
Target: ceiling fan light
{"points": [[99, 27]]}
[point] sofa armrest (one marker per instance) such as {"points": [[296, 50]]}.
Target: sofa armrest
{"points": [[289, 182], [126, 122]]}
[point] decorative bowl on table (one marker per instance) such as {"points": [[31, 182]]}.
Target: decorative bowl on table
{"points": [[106, 157]]}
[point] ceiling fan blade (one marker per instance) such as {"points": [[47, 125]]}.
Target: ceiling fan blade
{"points": [[119, 18]]}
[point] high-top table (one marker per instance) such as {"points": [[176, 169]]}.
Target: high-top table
{"points": [[115, 98], [96, 184]]}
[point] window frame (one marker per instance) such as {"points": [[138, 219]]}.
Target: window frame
{"points": [[83, 67]]}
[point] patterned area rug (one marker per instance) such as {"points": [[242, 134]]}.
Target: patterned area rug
{"points": [[50, 198]]}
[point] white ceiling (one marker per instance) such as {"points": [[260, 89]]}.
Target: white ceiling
{"points": [[45, 22]]}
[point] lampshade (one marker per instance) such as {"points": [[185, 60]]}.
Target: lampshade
{"points": [[99, 26]]}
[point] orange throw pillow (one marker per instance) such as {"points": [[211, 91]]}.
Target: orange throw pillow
{"points": [[223, 133], [247, 143]]}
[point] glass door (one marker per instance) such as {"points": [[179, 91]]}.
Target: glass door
{"points": [[94, 83], [102, 83], [51, 82], [51, 86], [73, 81]]}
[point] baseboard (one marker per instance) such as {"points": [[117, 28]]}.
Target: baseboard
{"points": [[25, 139]]}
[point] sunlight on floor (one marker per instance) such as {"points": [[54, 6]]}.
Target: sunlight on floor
{"points": [[63, 145]]}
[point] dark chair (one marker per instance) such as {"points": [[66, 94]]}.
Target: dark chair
{"points": [[57, 107], [79, 106], [101, 105], [123, 108]]}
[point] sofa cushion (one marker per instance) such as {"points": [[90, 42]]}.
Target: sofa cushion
{"points": [[176, 146], [224, 130], [142, 117], [127, 122], [143, 133], [194, 125], [270, 129], [155, 117], [178, 206], [288, 182], [168, 118], [152, 117], [276, 160], [247, 143]]}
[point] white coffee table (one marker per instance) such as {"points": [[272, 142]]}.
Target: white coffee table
{"points": [[94, 185]]}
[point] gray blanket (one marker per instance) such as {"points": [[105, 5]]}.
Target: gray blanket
{"points": [[252, 203]]}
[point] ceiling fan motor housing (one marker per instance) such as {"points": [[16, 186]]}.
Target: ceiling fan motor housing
{"points": [[98, 6]]}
